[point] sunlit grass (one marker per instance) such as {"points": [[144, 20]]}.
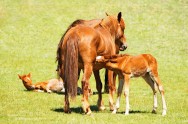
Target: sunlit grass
{"points": [[30, 31]]}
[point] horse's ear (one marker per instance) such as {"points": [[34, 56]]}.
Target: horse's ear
{"points": [[119, 16], [19, 76], [107, 14]]}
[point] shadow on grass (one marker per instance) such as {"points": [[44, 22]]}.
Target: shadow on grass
{"points": [[76, 109], [95, 109], [134, 112], [94, 93]]}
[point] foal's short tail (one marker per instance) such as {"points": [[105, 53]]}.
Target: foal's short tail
{"points": [[70, 64]]}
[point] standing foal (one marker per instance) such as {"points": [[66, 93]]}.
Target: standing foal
{"points": [[127, 66]]}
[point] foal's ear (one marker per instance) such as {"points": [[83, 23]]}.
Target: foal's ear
{"points": [[119, 16], [29, 75], [107, 14], [19, 76]]}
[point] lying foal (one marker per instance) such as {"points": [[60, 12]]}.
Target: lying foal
{"points": [[127, 66], [52, 85]]}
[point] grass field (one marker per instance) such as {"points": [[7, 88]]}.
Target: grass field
{"points": [[31, 29]]}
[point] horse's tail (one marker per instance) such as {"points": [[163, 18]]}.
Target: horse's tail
{"points": [[70, 65]]}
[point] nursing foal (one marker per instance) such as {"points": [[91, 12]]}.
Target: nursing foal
{"points": [[127, 66]]}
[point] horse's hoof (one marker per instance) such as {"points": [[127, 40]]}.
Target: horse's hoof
{"points": [[68, 111]]}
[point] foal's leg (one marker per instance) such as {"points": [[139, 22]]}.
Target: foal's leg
{"points": [[152, 84], [120, 88], [85, 87], [126, 93], [111, 89], [156, 79], [99, 89]]}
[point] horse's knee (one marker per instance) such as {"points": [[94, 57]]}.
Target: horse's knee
{"points": [[126, 93], [161, 89]]}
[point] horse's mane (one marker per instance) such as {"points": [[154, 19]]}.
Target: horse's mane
{"points": [[79, 21]]}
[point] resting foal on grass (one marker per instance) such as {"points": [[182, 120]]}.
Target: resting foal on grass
{"points": [[127, 66], [52, 85]]}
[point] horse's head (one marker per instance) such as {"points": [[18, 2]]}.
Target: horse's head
{"points": [[27, 82], [117, 27]]}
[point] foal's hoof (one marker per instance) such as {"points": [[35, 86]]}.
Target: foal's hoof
{"points": [[102, 108], [126, 113], [114, 112], [154, 111], [49, 92], [88, 113], [111, 108], [164, 113]]}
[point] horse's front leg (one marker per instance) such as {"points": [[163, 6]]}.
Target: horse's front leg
{"points": [[85, 87], [100, 103]]}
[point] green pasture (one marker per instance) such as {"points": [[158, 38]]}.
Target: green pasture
{"points": [[30, 31]]}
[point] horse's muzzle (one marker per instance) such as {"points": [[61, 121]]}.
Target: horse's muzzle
{"points": [[123, 47]]}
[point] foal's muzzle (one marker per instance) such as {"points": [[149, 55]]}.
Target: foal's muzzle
{"points": [[123, 47]]}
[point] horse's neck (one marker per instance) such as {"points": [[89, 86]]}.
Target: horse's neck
{"points": [[109, 25]]}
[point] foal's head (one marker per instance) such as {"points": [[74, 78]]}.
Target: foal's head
{"points": [[116, 26], [27, 82]]}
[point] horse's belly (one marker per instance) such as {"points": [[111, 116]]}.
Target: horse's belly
{"points": [[98, 66]]}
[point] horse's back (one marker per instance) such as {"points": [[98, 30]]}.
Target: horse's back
{"points": [[90, 42], [150, 59]]}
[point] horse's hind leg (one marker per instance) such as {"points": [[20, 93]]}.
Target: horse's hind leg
{"points": [[66, 107], [85, 87], [152, 84], [99, 89], [156, 79]]}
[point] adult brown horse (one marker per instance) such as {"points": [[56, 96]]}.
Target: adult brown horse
{"points": [[109, 80], [81, 44]]}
